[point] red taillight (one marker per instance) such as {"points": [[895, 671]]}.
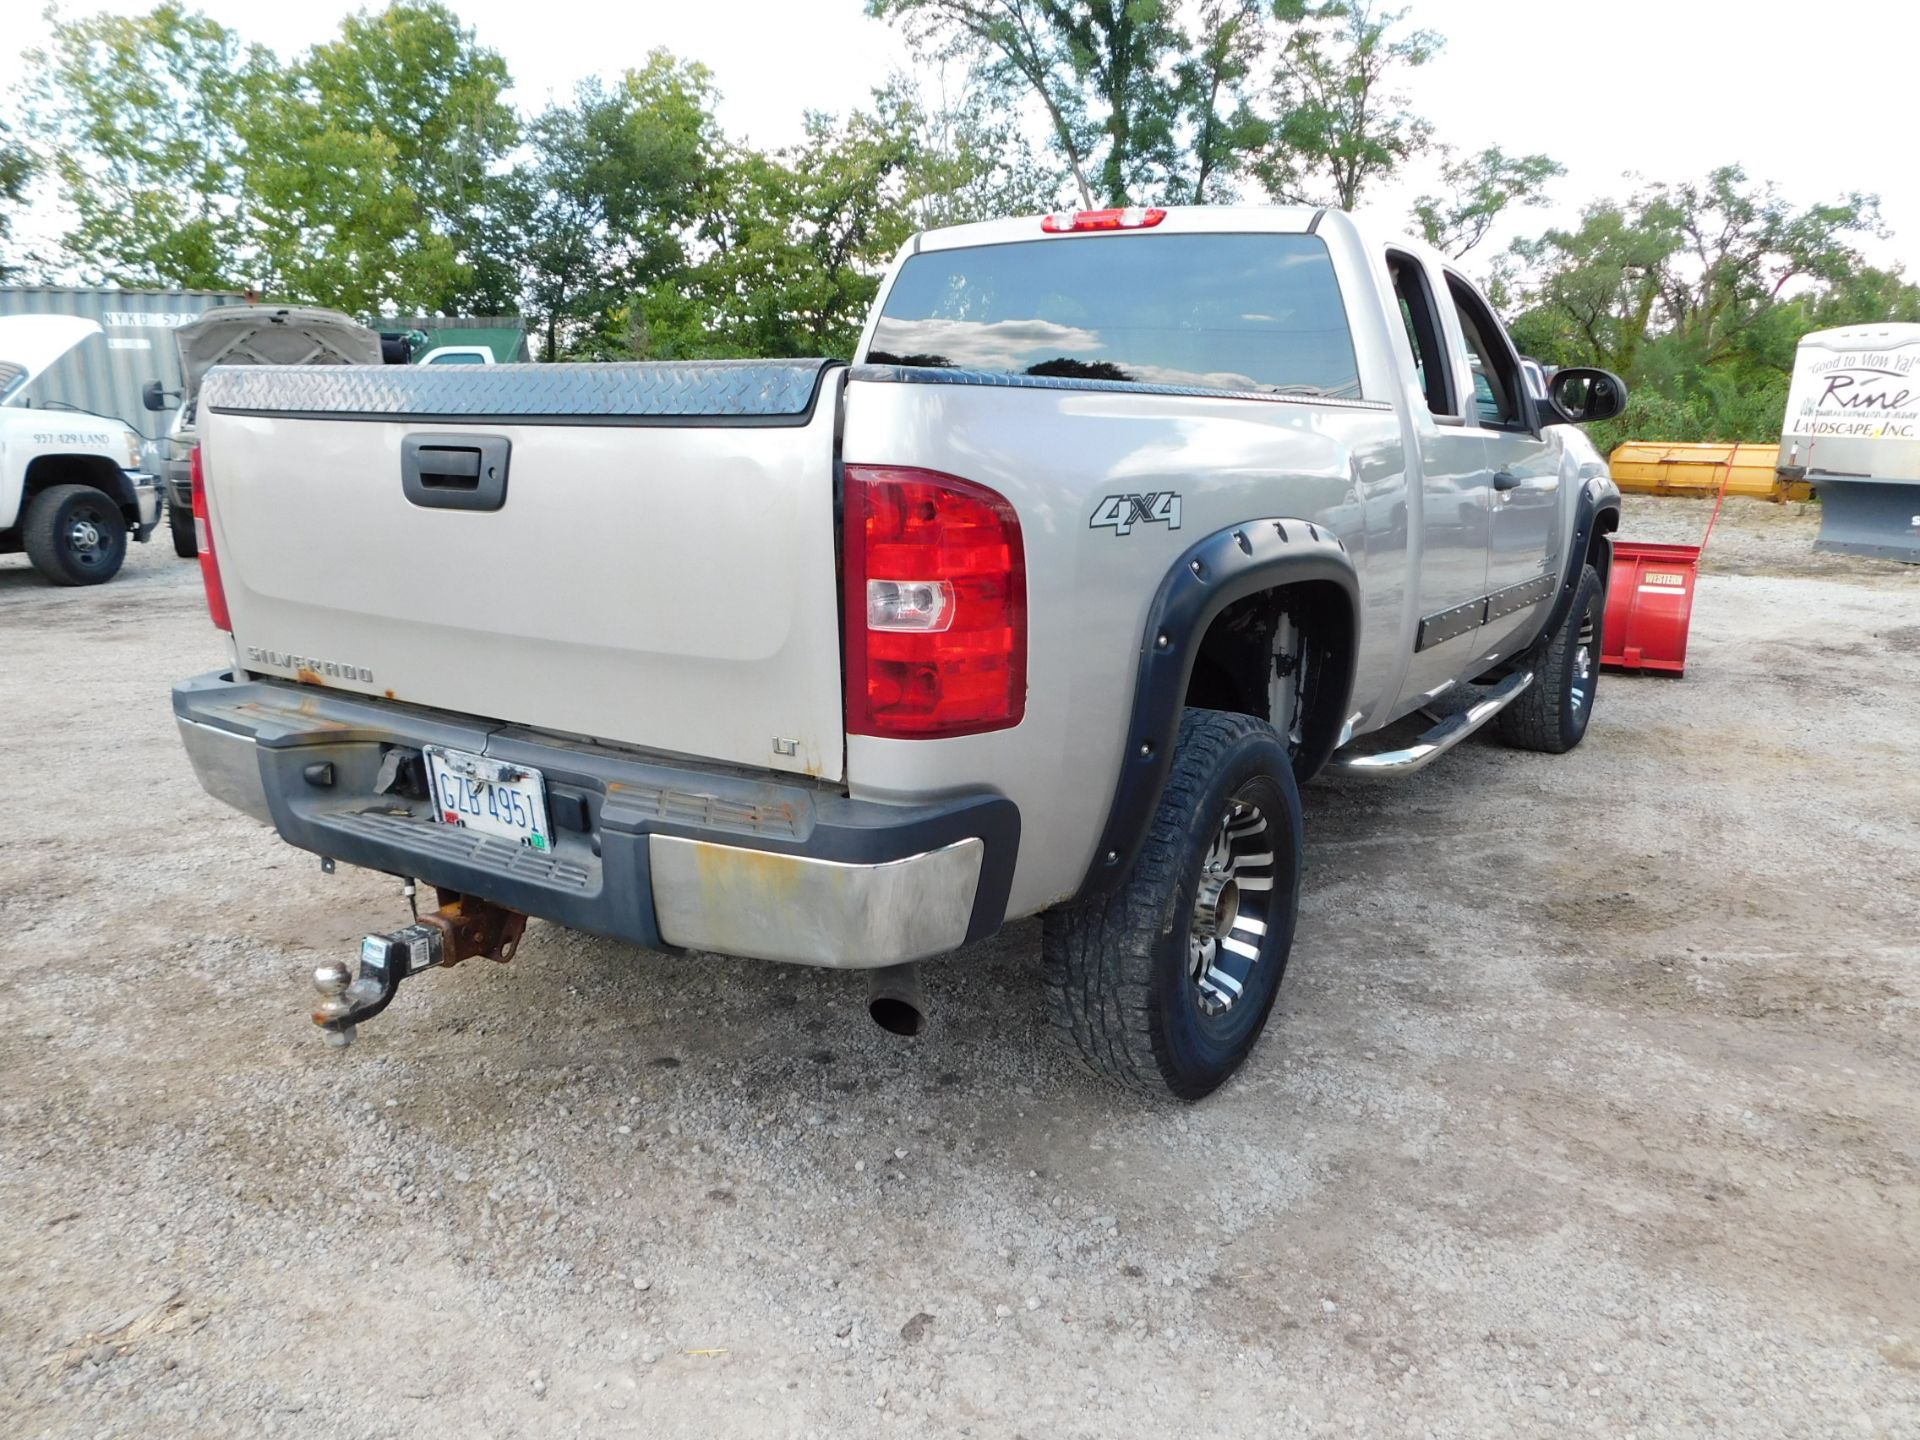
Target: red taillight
{"points": [[936, 601], [1131, 217], [203, 540]]}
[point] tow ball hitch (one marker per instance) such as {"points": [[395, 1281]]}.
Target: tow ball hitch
{"points": [[460, 929]]}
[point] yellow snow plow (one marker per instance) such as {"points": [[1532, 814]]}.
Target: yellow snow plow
{"points": [[1654, 467]]}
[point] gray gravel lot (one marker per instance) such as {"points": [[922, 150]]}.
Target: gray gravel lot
{"points": [[1592, 1106]]}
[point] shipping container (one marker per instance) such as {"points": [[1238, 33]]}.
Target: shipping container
{"points": [[105, 374]]}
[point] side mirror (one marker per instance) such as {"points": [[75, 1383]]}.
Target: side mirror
{"points": [[1580, 395], [154, 396]]}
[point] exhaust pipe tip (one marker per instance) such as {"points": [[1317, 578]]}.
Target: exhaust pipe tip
{"points": [[896, 1016], [895, 1000]]}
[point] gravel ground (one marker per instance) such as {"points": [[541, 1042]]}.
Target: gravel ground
{"points": [[1589, 1108]]}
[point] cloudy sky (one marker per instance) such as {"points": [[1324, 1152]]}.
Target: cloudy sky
{"points": [[1817, 97]]}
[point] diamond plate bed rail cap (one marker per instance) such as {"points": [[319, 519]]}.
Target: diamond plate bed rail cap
{"points": [[738, 392]]}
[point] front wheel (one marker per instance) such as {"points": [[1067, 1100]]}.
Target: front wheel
{"points": [[75, 535], [1166, 984], [180, 522], [1551, 714]]}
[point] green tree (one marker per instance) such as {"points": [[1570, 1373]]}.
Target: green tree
{"points": [[1698, 294], [363, 176], [1343, 122], [1211, 95], [1591, 292], [1701, 262], [969, 159], [1137, 107], [792, 245], [617, 178], [333, 222], [424, 100], [143, 117], [1863, 296], [794, 250], [1477, 189], [1746, 244], [17, 168]]}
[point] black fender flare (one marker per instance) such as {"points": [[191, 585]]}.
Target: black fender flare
{"points": [[1226, 566], [1597, 509]]}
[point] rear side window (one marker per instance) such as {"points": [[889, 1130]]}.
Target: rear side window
{"points": [[1224, 312]]}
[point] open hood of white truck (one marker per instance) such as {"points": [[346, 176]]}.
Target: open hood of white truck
{"points": [[31, 344], [271, 335]]}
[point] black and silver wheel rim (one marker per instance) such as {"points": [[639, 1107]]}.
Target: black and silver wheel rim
{"points": [[1232, 908], [1580, 685], [87, 543]]}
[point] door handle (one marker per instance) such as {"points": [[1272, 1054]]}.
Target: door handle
{"points": [[455, 472], [1505, 480]]}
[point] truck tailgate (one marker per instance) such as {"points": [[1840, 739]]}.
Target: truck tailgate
{"points": [[660, 570]]}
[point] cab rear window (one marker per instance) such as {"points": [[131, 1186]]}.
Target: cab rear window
{"points": [[1223, 312]]}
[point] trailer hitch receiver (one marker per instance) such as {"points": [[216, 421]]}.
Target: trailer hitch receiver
{"points": [[460, 929]]}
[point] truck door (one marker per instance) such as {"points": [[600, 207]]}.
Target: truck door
{"points": [[1456, 474], [1523, 533]]}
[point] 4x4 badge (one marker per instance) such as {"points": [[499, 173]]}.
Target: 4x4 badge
{"points": [[1120, 513]]}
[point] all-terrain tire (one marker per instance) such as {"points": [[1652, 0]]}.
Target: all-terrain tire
{"points": [[180, 522], [75, 535], [1552, 714], [1121, 972]]}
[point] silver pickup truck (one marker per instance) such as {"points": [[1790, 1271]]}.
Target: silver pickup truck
{"points": [[1120, 525]]}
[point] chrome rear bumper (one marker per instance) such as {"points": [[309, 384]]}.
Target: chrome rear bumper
{"points": [[227, 766], [813, 912]]}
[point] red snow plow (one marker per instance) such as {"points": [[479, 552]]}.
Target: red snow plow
{"points": [[1650, 600]]}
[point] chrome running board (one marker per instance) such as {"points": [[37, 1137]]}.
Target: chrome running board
{"points": [[1437, 741]]}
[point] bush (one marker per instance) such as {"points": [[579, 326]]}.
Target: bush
{"points": [[1721, 407]]}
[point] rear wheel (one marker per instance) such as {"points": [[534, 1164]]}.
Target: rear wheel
{"points": [[1166, 984], [1552, 714], [75, 535], [180, 522]]}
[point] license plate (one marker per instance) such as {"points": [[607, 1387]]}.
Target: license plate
{"points": [[490, 796]]}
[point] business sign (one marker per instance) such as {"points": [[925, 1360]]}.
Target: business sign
{"points": [[1856, 394]]}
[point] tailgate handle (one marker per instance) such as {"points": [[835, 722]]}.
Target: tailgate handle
{"points": [[452, 469], [455, 472]]}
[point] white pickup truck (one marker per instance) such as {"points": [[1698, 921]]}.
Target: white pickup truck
{"points": [[72, 489], [1119, 526]]}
